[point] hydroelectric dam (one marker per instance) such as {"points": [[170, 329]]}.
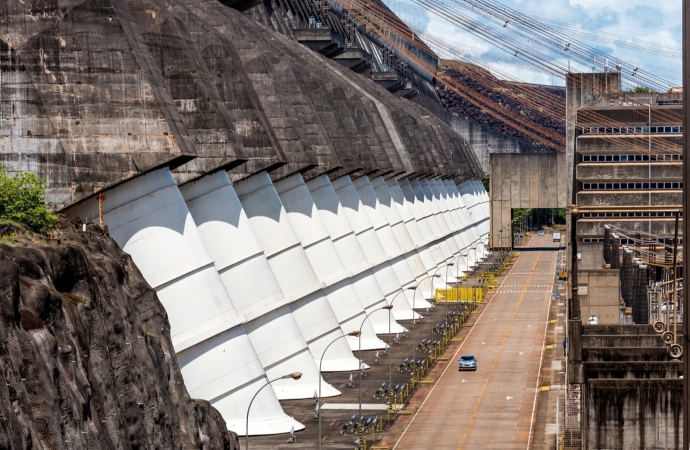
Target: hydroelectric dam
{"points": [[270, 194]]}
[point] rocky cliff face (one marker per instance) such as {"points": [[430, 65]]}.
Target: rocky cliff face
{"points": [[86, 360]]}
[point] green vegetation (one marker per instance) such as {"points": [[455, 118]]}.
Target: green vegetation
{"points": [[539, 217], [640, 90], [8, 239], [486, 182], [22, 199]]}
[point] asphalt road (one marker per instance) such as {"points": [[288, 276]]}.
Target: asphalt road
{"points": [[494, 407]]}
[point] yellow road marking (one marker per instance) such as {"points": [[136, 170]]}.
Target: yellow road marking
{"points": [[324, 438], [332, 423], [305, 418], [500, 349]]}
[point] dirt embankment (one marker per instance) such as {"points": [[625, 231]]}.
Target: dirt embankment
{"points": [[86, 360]]}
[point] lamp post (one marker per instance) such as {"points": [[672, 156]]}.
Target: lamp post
{"points": [[474, 282], [387, 307], [466, 255], [504, 245], [294, 376], [390, 349], [446, 302], [457, 278], [351, 333], [414, 319]]}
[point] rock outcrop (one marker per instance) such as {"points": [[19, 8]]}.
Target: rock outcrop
{"points": [[86, 360]]}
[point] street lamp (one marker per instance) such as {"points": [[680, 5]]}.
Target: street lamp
{"points": [[474, 282], [390, 349], [388, 308], [504, 244], [414, 319], [447, 266], [294, 376], [465, 255], [318, 405]]}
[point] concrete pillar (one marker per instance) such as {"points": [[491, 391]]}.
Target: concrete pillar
{"points": [[350, 251], [252, 286], [149, 219], [477, 214], [442, 216], [435, 206], [456, 199], [373, 250], [484, 204], [294, 272], [444, 207], [430, 252], [416, 208], [460, 222], [419, 259], [440, 249], [454, 211], [396, 223], [426, 208], [406, 210], [326, 262], [390, 243], [468, 235]]}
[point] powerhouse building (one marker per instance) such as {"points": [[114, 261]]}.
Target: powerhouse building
{"points": [[271, 196], [628, 157]]}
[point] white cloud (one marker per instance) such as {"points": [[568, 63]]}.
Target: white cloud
{"points": [[655, 26]]}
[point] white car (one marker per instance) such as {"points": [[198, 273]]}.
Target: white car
{"points": [[541, 233]]}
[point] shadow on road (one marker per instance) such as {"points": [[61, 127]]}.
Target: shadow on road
{"points": [[537, 249]]}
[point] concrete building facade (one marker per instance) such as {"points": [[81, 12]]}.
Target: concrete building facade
{"points": [[627, 155]]}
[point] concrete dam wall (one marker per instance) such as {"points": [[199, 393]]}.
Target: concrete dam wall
{"points": [[272, 197]]}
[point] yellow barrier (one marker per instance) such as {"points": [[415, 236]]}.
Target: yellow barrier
{"points": [[463, 294]]}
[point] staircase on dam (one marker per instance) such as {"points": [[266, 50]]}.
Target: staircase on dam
{"points": [[331, 30], [274, 199]]}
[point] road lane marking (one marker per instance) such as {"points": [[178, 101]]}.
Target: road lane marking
{"points": [[455, 355], [500, 349], [536, 391]]}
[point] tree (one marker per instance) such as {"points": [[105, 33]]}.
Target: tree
{"points": [[22, 199], [486, 182]]}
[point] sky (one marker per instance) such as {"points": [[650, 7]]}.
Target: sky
{"points": [[642, 34]]}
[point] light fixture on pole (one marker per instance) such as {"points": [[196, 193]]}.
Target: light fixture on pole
{"points": [[447, 266], [388, 308], [457, 280], [466, 255], [414, 319], [318, 404], [390, 349], [294, 376], [474, 278]]}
